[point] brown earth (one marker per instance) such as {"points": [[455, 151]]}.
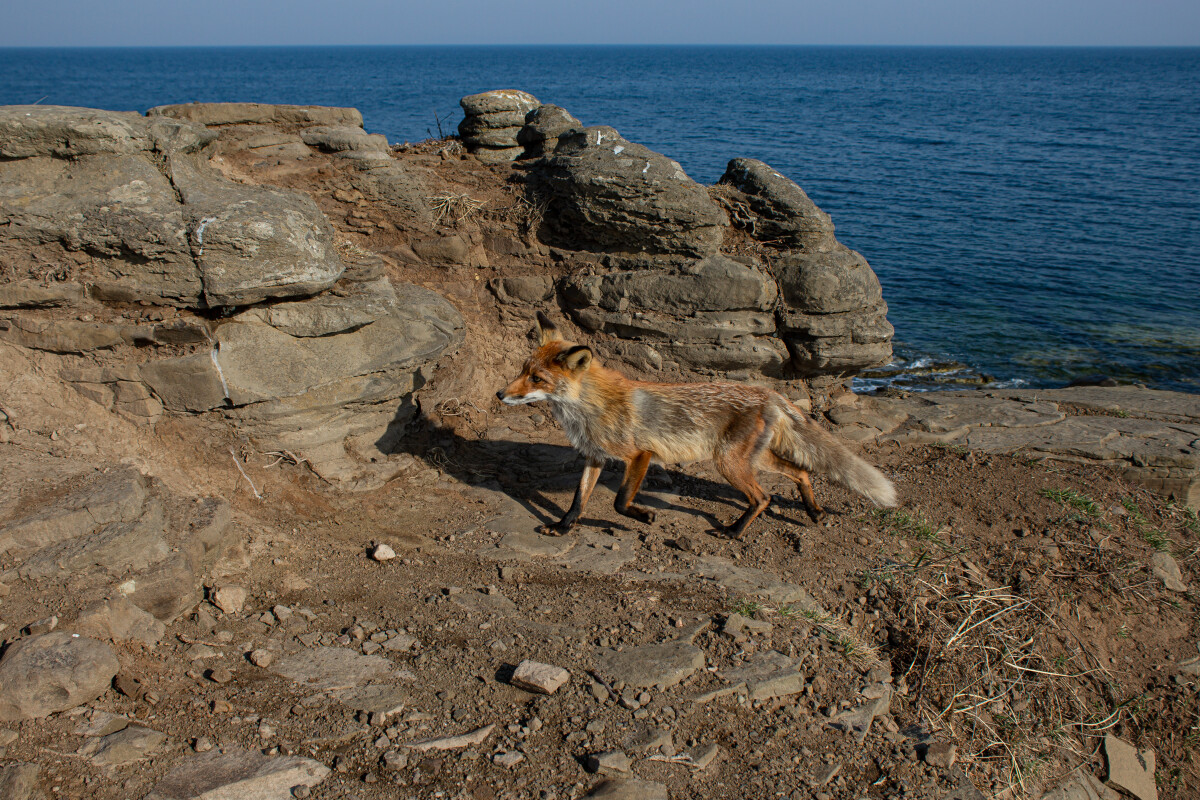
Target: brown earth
{"points": [[1006, 607]]}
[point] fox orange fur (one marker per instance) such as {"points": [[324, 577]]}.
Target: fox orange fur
{"points": [[740, 428]]}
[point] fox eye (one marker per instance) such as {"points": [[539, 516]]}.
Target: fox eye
{"points": [[534, 379]]}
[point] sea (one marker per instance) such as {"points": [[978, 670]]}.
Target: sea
{"points": [[1033, 214]]}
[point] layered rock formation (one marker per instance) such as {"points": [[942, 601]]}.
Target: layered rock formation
{"points": [[492, 122], [100, 210]]}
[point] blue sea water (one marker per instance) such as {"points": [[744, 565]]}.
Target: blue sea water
{"points": [[1032, 213]]}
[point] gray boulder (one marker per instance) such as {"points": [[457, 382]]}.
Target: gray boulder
{"points": [[832, 315], [40, 675], [714, 314], [781, 215], [607, 194], [107, 188], [542, 127], [308, 377], [251, 242], [347, 141], [67, 132], [119, 209]]}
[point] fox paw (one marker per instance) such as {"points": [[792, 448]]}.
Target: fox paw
{"points": [[554, 530]]}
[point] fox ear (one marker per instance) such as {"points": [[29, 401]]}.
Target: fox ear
{"points": [[575, 359], [547, 331]]}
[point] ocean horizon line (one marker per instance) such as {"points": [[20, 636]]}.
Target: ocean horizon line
{"points": [[617, 46]]}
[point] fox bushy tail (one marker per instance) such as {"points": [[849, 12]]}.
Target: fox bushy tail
{"points": [[813, 448]]}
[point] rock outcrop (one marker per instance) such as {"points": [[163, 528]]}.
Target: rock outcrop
{"points": [[833, 317], [128, 210], [137, 218], [817, 311]]}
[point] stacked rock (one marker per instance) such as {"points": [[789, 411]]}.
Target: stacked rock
{"points": [[492, 122], [543, 126]]}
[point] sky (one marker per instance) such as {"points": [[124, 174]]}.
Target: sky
{"points": [[122, 23]]}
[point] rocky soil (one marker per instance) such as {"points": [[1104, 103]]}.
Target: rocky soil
{"points": [[266, 533]]}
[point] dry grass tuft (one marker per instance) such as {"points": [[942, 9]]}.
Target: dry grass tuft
{"points": [[454, 206]]}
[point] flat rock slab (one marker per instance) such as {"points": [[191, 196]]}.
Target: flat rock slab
{"points": [[453, 742], [629, 789], [490, 604], [751, 582], [662, 665], [522, 544], [332, 668], [1130, 769], [1130, 399], [238, 775], [53, 672], [541, 678], [132, 743], [384, 700], [1153, 437]]}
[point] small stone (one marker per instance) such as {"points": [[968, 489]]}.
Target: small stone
{"points": [[536, 677], [222, 707], [1130, 769], [229, 599], [44, 625], [612, 762], [383, 552], [508, 759], [940, 755], [395, 760], [370, 777], [703, 755], [202, 744], [220, 675], [629, 789], [261, 658], [7, 737], [301, 792], [371, 647], [1166, 569]]}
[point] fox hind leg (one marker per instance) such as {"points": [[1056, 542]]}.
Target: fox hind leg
{"points": [[635, 473], [738, 466], [800, 476]]}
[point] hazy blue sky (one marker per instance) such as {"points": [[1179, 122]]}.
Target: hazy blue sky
{"points": [[903, 22]]}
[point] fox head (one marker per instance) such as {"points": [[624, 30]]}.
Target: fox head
{"points": [[553, 371]]}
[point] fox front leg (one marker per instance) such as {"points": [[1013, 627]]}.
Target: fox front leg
{"points": [[587, 482]]}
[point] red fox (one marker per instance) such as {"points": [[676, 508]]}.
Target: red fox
{"points": [[740, 428]]}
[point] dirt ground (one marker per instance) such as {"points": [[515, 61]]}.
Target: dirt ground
{"points": [[1009, 601]]}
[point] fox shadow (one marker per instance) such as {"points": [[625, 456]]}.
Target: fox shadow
{"points": [[526, 471]]}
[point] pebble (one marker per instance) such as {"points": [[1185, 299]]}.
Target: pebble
{"points": [[202, 744], [44, 625], [508, 759], [261, 658], [382, 552], [394, 760], [612, 762], [301, 792], [229, 599], [220, 675]]}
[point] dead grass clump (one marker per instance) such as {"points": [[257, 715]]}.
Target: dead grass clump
{"points": [[993, 669], [454, 206]]}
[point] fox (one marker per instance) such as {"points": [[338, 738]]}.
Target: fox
{"points": [[740, 428]]}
